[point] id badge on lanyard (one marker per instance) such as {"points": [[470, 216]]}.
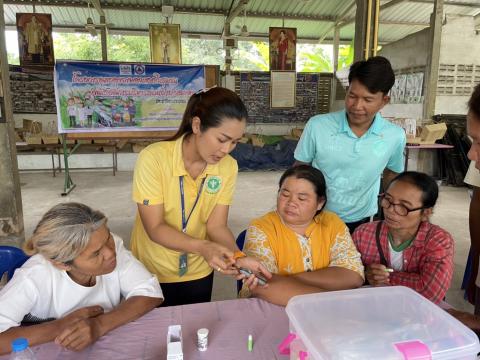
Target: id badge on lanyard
{"points": [[183, 259]]}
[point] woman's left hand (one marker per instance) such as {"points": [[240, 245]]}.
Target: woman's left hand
{"points": [[255, 266]]}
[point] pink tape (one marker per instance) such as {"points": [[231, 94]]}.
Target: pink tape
{"points": [[414, 350], [284, 347], [303, 355]]}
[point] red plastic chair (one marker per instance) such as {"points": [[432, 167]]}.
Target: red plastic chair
{"points": [[11, 258]]}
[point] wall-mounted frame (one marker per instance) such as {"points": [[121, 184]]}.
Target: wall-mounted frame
{"points": [[283, 48], [35, 42], [283, 89], [165, 43]]}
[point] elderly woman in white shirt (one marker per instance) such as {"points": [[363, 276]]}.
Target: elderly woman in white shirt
{"points": [[80, 283]]}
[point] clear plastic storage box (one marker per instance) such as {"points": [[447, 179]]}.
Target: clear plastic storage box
{"points": [[366, 323]]}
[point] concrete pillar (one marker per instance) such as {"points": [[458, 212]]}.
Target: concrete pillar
{"points": [[103, 38], [366, 29], [433, 60], [360, 30], [11, 212]]}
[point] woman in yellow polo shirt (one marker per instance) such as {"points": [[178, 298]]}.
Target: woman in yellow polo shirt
{"points": [[183, 188], [308, 249]]}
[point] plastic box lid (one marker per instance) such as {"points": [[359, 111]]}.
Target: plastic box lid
{"points": [[366, 323]]}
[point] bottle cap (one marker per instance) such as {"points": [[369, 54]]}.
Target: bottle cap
{"points": [[19, 344], [203, 332]]}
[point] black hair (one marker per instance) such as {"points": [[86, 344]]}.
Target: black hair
{"points": [[312, 175], [474, 102], [376, 74], [423, 182], [212, 106]]}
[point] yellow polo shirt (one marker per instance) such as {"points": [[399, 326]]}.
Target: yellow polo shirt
{"points": [[156, 181]]}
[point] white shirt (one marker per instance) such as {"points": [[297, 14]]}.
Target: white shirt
{"points": [[473, 175], [396, 258], [41, 291]]}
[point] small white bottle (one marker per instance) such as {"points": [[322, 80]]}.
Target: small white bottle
{"points": [[21, 350], [202, 339]]}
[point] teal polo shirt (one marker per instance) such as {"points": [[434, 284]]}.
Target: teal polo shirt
{"points": [[352, 165]]}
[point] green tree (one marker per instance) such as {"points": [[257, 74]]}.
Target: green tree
{"points": [[76, 46], [13, 59], [128, 48], [203, 51], [345, 55], [251, 56], [313, 58]]}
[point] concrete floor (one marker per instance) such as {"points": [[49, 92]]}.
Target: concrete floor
{"points": [[255, 195]]}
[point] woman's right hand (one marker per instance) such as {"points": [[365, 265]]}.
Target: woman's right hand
{"points": [[218, 257], [377, 275]]}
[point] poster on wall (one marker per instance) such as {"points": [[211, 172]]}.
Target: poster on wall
{"points": [[283, 86], [35, 44], [165, 43], [103, 97], [397, 93], [413, 88], [283, 42]]}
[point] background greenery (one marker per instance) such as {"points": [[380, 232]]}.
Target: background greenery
{"points": [[250, 55]]}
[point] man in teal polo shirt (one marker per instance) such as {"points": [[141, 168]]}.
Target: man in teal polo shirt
{"points": [[353, 147]]}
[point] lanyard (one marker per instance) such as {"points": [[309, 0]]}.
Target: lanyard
{"points": [[182, 201]]}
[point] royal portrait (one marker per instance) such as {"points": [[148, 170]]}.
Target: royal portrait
{"points": [[35, 39], [165, 43]]}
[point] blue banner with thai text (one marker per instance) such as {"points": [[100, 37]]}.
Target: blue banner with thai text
{"points": [[96, 97]]}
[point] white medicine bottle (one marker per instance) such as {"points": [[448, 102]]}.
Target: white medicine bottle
{"points": [[21, 350]]}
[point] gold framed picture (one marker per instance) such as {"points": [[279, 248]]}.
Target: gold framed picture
{"points": [[165, 43], [35, 42], [283, 48]]}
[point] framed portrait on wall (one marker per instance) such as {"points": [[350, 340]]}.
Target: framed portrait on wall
{"points": [[283, 48], [35, 42], [165, 43]]}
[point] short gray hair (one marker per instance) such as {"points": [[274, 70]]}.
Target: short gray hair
{"points": [[64, 231]]}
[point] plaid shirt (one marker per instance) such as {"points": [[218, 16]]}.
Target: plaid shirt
{"points": [[427, 262]]}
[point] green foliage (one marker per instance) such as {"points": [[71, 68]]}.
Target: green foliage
{"points": [[202, 51], [313, 58], [345, 55], [128, 48], [76, 47], [13, 59], [251, 56]]}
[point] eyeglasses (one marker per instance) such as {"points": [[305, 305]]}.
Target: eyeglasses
{"points": [[398, 208]]}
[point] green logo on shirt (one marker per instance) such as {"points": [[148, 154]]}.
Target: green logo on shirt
{"points": [[213, 184]]}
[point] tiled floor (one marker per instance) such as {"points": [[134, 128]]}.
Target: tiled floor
{"points": [[255, 195]]}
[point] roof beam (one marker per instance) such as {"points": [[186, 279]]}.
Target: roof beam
{"points": [[338, 20], [391, 3], [97, 6], [449, 3], [178, 10], [188, 35]]}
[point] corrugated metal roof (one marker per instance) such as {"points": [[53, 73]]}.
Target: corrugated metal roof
{"points": [[312, 18]]}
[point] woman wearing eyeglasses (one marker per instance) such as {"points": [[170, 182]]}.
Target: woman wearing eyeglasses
{"points": [[405, 248]]}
